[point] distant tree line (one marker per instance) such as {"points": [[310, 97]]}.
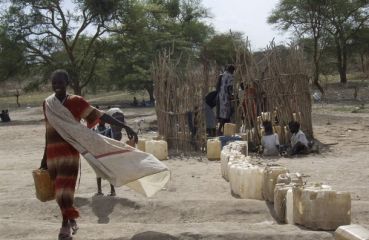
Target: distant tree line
{"points": [[338, 28], [111, 44]]}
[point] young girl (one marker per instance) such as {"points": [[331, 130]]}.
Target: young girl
{"points": [[270, 140], [114, 132]]}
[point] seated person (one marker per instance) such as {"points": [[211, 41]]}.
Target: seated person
{"points": [[113, 132], [299, 142], [270, 140], [5, 116]]}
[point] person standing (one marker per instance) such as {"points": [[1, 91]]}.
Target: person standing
{"points": [[60, 157], [210, 103], [225, 97], [115, 133]]}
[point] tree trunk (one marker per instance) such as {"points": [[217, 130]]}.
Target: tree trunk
{"points": [[150, 89], [316, 66], [341, 60], [17, 94], [77, 89], [316, 77], [362, 62]]}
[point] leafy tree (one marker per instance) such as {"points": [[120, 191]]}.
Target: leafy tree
{"points": [[221, 48], [305, 18], [48, 30], [344, 19], [150, 27], [12, 57], [360, 46]]}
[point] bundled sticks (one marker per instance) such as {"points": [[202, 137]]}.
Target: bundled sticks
{"points": [[179, 88], [273, 81], [278, 84]]}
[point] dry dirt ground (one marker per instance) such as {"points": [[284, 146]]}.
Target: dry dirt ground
{"points": [[196, 204]]}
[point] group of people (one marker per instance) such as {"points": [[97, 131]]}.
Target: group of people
{"points": [[62, 147], [223, 99], [299, 144]]}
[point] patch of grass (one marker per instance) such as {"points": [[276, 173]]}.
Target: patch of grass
{"points": [[36, 98], [29, 99], [351, 109], [351, 77], [344, 109]]}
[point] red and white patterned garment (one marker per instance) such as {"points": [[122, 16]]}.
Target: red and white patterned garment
{"points": [[63, 159]]}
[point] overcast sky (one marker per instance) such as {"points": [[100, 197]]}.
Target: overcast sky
{"points": [[247, 16]]}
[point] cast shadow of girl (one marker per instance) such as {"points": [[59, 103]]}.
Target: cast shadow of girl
{"points": [[102, 206]]}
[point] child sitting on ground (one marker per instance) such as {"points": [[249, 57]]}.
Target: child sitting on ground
{"points": [[299, 142], [113, 132], [270, 140]]}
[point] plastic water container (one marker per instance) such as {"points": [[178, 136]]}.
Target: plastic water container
{"points": [[241, 147], [280, 193], [233, 157], [158, 148], [271, 174], [321, 208], [290, 207], [229, 129], [246, 180], [226, 140], [224, 158], [235, 169], [288, 178], [45, 187], [213, 147], [141, 144], [351, 232]]}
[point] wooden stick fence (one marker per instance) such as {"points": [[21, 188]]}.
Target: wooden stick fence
{"points": [[179, 92], [276, 83]]}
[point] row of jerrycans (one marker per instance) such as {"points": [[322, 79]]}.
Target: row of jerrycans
{"points": [[158, 148], [249, 181], [316, 206]]}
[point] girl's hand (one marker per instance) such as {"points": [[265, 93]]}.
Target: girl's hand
{"points": [[131, 134]]}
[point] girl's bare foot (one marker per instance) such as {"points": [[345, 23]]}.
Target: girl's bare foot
{"points": [[65, 234], [74, 226], [112, 194]]}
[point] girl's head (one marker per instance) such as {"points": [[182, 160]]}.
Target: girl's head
{"points": [[268, 127], [59, 81]]}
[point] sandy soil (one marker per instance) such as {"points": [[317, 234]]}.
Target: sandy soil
{"points": [[196, 204]]}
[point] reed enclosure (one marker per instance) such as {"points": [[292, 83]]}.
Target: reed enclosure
{"points": [[274, 81]]}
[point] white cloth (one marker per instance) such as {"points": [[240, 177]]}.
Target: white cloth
{"points": [[299, 137], [270, 143], [114, 161]]}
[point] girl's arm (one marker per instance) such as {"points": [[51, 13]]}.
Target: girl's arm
{"points": [[113, 121]]}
